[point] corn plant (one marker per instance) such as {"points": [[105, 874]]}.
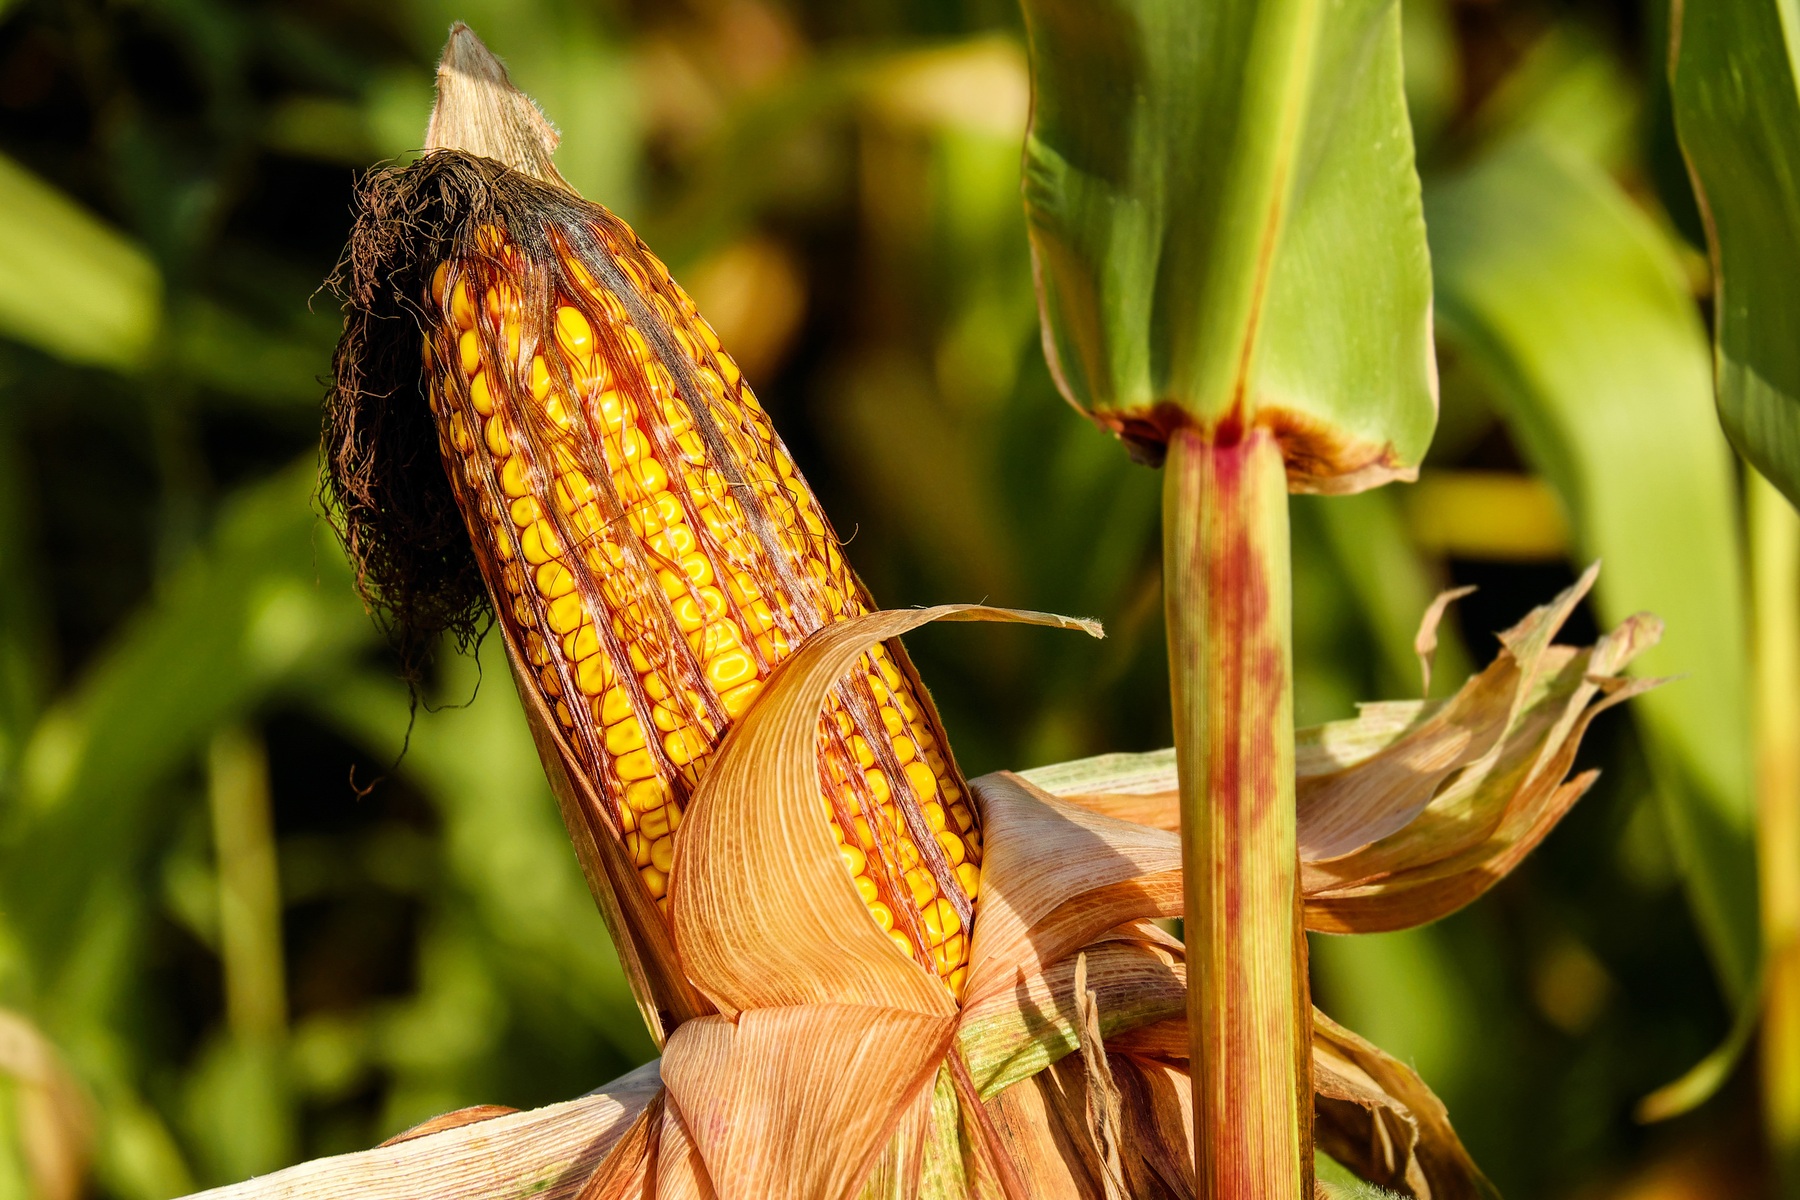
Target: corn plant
{"points": [[800, 881]]}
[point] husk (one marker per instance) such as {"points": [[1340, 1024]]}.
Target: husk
{"points": [[764, 913], [801, 1100], [1481, 812]]}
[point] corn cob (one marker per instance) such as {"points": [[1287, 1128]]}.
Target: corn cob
{"points": [[653, 551]]}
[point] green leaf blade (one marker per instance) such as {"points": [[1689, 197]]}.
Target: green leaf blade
{"points": [[1243, 242], [1569, 302], [1736, 91]]}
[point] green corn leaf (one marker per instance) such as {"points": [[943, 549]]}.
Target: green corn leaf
{"points": [[1241, 241], [70, 285], [1736, 90], [1570, 303]]}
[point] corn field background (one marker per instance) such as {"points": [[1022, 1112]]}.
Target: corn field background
{"points": [[255, 907]]}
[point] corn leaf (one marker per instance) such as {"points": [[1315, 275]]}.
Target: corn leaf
{"points": [[1245, 238], [1736, 91], [70, 285], [1569, 303]]}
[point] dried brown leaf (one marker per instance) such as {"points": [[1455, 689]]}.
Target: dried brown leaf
{"points": [[765, 915], [1056, 877], [1377, 1117], [1425, 643], [799, 1101]]}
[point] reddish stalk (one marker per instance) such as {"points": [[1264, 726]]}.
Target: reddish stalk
{"points": [[1229, 610]]}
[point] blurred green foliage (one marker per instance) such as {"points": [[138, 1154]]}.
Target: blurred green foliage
{"points": [[195, 712]]}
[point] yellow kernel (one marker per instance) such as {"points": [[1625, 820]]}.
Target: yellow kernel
{"points": [[948, 842], [969, 875], [540, 543], [759, 617], [909, 853], [952, 954], [729, 370], [773, 646], [921, 885], [462, 309], [900, 940], [497, 441], [574, 332], [962, 816], [555, 581], [674, 542], [566, 613], [468, 354], [480, 396], [934, 815], [904, 750], [940, 919], [866, 887], [956, 979], [855, 861], [525, 510], [625, 737], [878, 785], [891, 718], [662, 853], [859, 746], [647, 795], [615, 706], [718, 638], [540, 377], [698, 568], [581, 643], [638, 764], [737, 701], [638, 846], [864, 837], [438, 278], [883, 916], [563, 716], [658, 822], [592, 674], [730, 669], [657, 882], [459, 433], [684, 745], [922, 781], [514, 480], [537, 651], [667, 718]]}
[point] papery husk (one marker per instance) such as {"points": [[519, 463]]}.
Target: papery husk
{"points": [[1475, 803], [764, 913], [1039, 1084]]}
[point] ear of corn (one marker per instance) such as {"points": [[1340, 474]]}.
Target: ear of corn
{"points": [[654, 552]]}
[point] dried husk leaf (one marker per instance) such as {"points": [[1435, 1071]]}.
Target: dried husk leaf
{"points": [[765, 915], [1425, 643], [799, 1101], [1104, 1116], [1056, 876], [1346, 810], [1011, 1034], [644, 940], [1482, 816], [680, 1170], [1377, 1117]]}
